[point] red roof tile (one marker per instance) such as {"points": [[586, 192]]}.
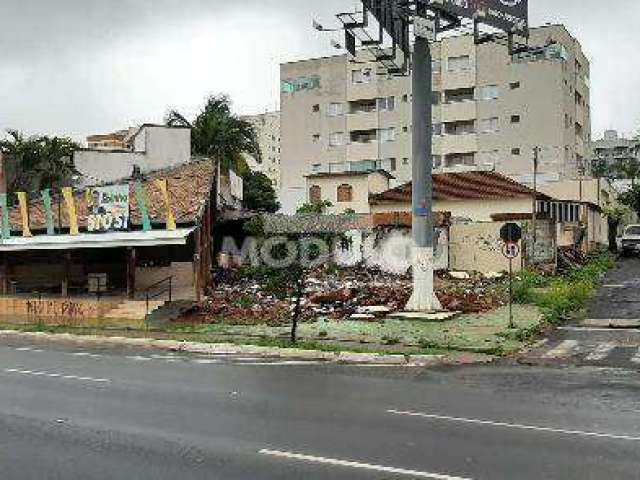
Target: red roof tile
{"points": [[463, 186]]}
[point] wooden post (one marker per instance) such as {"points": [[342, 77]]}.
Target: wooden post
{"points": [[131, 272], [67, 273], [5, 274], [197, 264]]}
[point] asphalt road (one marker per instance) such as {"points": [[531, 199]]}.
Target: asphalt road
{"points": [[593, 341], [70, 413]]}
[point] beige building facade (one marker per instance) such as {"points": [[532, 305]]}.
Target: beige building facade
{"points": [[267, 127], [490, 111]]}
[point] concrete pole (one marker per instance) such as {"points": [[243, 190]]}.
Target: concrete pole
{"points": [[423, 298]]}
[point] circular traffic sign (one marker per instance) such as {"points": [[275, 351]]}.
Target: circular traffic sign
{"points": [[511, 250]]}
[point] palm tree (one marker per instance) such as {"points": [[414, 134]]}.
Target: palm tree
{"points": [[38, 162], [219, 134]]}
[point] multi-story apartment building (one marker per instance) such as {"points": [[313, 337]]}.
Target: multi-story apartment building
{"points": [[615, 149], [490, 111], [267, 126]]}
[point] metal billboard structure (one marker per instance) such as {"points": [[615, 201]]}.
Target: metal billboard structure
{"points": [[425, 19]]}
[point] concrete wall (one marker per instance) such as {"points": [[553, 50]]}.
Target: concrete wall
{"points": [[154, 148], [182, 283], [55, 311], [477, 247]]}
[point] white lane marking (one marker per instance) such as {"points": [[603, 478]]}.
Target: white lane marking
{"points": [[601, 352], [563, 350], [139, 358], [207, 361], [614, 286], [24, 349], [358, 465], [279, 364], [636, 357], [473, 421], [56, 375]]}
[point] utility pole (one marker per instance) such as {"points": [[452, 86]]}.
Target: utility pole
{"points": [[423, 298], [534, 212]]}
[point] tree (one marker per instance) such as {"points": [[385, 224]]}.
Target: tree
{"points": [[631, 198], [219, 134], [318, 208], [629, 169], [38, 162], [259, 194], [614, 215]]}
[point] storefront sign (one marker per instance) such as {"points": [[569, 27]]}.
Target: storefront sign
{"points": [[108, 208]]}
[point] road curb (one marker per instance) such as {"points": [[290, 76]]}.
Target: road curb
{"points": [[344, 358]]}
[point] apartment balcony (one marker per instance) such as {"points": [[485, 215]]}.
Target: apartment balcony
{"points": [[357, 150], [456, 143], [458, 110], [363, 121]]}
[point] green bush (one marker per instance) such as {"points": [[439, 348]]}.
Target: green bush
{"points": [[563, 296]]}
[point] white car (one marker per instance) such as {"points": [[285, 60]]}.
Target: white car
{"points": [[631, 240]]}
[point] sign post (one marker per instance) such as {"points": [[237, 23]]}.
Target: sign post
{"points": [[511, 234]]}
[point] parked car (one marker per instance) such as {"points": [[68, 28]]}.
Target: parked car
{"points": [[630, 243]]}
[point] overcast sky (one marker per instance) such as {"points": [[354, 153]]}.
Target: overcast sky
{"points": [[76, 67]]}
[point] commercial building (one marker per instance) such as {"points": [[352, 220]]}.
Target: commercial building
{"points": [[267, 127], [490, 111]]}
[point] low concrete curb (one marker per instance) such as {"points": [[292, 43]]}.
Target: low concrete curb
{"points": [[345, 358]]}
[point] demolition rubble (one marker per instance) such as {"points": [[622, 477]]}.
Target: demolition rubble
{"points": [[354, 294]]}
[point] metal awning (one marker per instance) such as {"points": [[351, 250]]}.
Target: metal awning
{"points": [[154, 238]]}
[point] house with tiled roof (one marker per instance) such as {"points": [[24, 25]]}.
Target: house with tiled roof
{"points": [[476, 196]]}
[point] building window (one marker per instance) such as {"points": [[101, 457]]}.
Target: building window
{"points": [[515, 118], [461, 160], [435, 98], [437, 161], [345, 193], [387, 134], [364, 75], [336, 139], [405, 161], [315, 194], [489, 125], [459, 95], [515, 151], [387, 103], [316, 138], [315, 108], [459, 64], [335, 109], [437, 129], [488, 92], [514, 85], [405, 98]]}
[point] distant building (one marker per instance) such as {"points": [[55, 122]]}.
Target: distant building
{"points": [[347, 191], [149, 148], [490, 111], [614, 149], [267, 126], [110, 141]]}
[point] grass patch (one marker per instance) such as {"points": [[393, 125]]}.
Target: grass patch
{"points": [[561, 298]]}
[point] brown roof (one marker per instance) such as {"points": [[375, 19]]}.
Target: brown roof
{"points": [[463, 186], [189, 188]]}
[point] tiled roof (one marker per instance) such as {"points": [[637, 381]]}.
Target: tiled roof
{"points": [[463, 186], [189, 189]]}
